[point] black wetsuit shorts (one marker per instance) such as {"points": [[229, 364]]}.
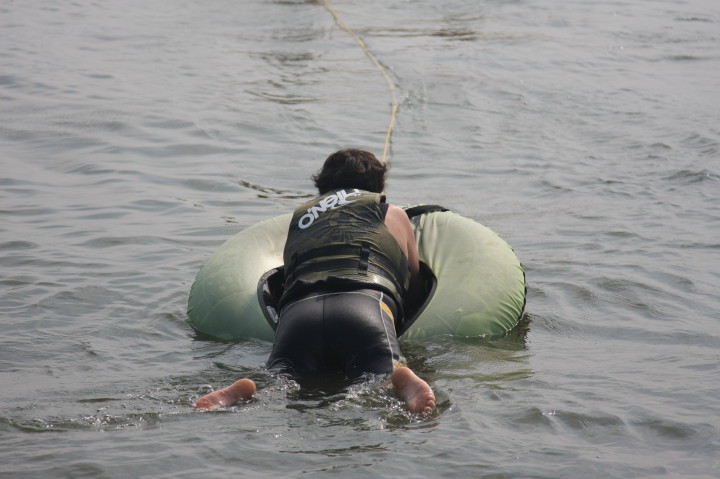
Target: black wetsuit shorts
{"points": [[346, 331]]}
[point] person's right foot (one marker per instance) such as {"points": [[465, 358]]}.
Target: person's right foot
{"points": [[416, 393]]}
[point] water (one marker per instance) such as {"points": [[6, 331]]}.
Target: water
{"points": [[138, 136]]}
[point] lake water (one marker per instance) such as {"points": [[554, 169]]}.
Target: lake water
{"points": [[136, 137]]}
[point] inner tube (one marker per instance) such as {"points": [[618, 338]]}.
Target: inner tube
{"points": [[474, 282]]}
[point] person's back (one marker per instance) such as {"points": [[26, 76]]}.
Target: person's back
{"points": [[339, 240]]}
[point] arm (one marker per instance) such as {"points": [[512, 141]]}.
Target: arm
{"points": [[399, 225]]}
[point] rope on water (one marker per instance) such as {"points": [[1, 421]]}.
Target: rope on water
{"points": [[388, 79]]}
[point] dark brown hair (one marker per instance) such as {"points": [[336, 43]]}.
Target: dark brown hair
{"points": [[351, 168]]}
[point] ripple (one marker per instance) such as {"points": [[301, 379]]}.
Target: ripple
{"points": [[270, 192], [586, 422], [10, 81], [668, 431], [283, 99], [688, 177], [17, 245], [704, 145]]}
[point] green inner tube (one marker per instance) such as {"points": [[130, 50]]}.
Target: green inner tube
{"points": [[474, 281]]}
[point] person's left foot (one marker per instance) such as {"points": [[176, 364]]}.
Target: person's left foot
{"points": [[241, 389]]}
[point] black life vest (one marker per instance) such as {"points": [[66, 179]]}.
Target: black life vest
{"points": [[340, 240]]}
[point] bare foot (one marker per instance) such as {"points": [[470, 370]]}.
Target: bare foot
{"points": [[416, 393], [241, 389]]}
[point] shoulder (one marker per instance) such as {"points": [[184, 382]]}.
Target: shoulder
{"points": [[396, 218], [397, 212]]}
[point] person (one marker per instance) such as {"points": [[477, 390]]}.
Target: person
{"points": [[351, 265]]}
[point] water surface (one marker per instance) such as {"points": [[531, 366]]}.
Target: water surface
{"points": [[136, 137]]}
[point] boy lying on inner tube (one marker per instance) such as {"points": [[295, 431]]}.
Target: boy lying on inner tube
{"points": [[350, 265]]}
